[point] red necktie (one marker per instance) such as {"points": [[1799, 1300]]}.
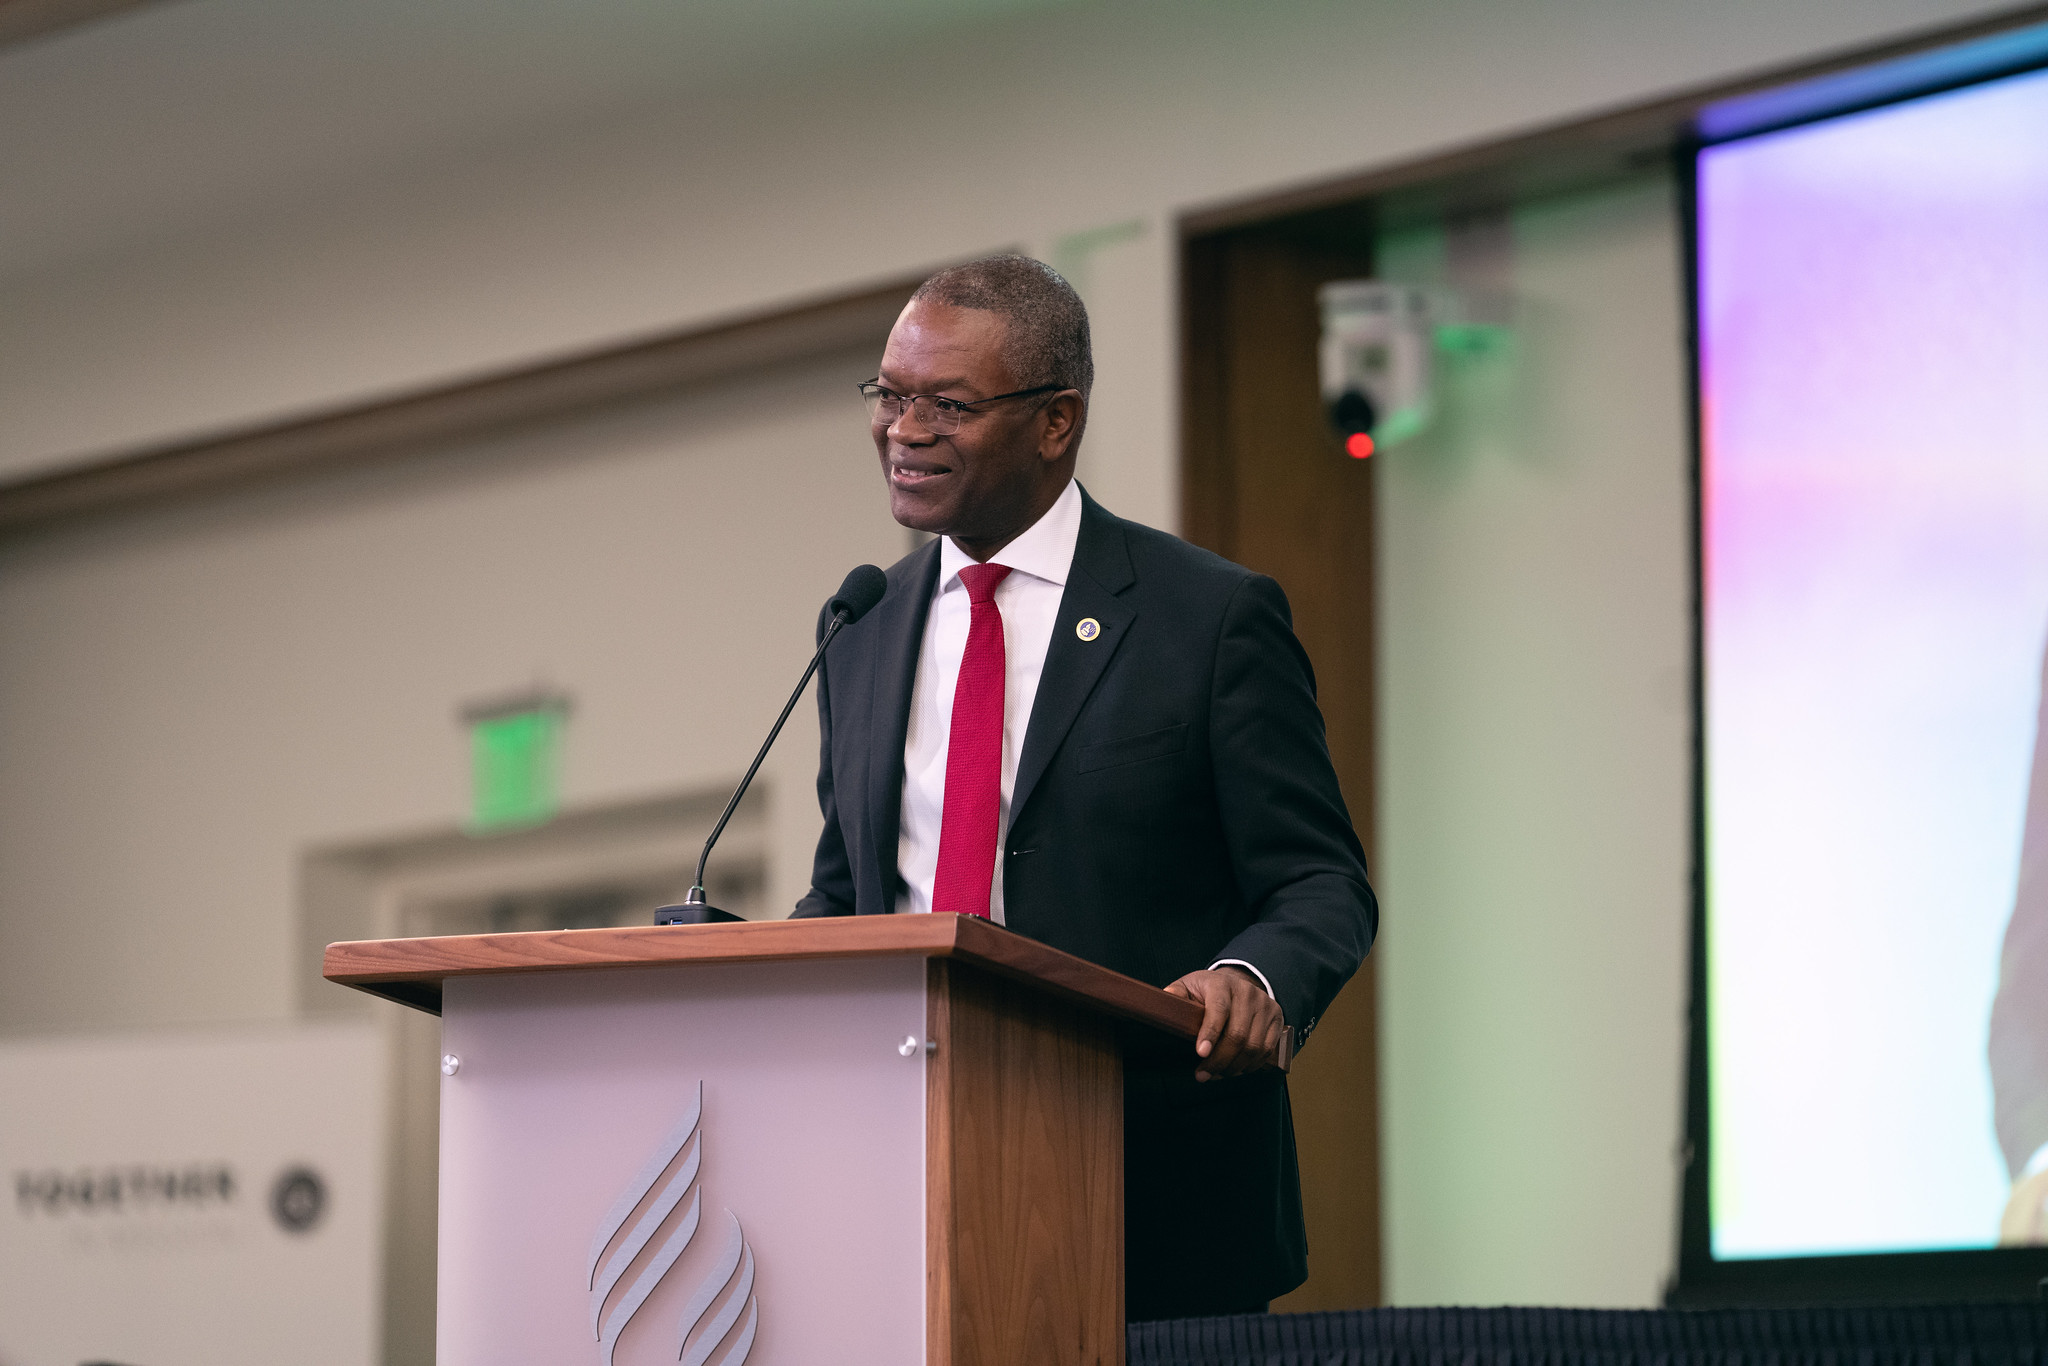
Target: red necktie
{"points": [[974, 756]]}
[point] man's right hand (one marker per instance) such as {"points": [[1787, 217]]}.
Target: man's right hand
{"points": [[1241, 1024]]}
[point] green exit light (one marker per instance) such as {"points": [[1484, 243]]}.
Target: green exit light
{"points": [[515, 752]]}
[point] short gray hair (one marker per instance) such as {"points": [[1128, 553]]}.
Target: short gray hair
{"points": [[1046, 324]]}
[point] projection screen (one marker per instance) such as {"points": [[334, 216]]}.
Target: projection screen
{"points": [[1872, 310]]}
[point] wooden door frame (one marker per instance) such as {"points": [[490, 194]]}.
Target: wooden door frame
{"points": [[1264, 484]]}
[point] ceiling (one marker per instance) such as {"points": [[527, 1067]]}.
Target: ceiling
{"points": [[161, 120]]}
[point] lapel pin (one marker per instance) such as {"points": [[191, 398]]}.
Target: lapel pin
{"points": [[1088, 628]]}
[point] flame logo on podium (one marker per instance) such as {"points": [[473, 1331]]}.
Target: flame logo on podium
{"points": [[734, 1268]]}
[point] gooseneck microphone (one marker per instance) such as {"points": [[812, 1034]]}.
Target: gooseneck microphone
{"points": [[856, 597]]}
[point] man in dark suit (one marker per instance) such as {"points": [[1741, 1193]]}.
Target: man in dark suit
{"points": [[1108, 740]]}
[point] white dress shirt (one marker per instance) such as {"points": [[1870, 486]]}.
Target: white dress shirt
{"points": [[1029, 600]]}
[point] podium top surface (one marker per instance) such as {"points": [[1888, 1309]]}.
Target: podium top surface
{"points": [[410, 971]]}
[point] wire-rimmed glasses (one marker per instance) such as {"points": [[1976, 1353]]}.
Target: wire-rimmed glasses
{"points": [[939, 416]]}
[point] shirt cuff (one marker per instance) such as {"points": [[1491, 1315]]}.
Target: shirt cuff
{"points": [[2037, 1163], [1240, 963]]}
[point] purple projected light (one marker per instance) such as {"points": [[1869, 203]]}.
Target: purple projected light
{"points": [[1874, 393]]}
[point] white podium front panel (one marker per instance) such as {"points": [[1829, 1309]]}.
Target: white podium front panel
{"points": [[704, 1164]]}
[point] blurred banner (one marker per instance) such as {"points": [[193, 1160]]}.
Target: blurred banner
{"points": [[192, 1198]]}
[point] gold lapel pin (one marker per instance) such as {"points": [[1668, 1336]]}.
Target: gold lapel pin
{"points": [[1087, 628]]}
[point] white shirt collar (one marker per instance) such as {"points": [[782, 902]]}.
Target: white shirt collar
{"points": [[1044, 551]]}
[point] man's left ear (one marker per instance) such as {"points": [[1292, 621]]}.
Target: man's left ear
{"points": [[1064, 416]]}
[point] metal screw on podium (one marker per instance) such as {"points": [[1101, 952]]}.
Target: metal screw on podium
{"points": [[450, 1064], [908, 1047]]}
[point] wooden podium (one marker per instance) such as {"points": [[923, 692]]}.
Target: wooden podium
{"points": [[878, 1139]]}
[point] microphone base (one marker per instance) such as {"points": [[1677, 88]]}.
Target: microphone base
{"points": [[693, 913]]}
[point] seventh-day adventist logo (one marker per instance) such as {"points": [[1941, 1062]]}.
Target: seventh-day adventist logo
{"points": [[699, 1333]]}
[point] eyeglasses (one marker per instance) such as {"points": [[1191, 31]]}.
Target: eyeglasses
{"points": [[939, 416]]}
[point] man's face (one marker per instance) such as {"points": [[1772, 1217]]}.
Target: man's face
{"points": [[987, 482]]}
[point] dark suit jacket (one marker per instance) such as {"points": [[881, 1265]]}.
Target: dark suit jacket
{"points": [[1174, 804]]}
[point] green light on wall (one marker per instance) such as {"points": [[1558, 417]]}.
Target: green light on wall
{"points": [[1474, 339], [515, 757]]}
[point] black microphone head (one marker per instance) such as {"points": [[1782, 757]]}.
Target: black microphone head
{"points": [[859, 594]]}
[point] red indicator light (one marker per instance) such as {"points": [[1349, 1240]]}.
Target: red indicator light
{"points": [[1358, 445]]}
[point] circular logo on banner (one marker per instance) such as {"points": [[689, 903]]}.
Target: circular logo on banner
{"points": [[298, 1199], [1088, 628]]}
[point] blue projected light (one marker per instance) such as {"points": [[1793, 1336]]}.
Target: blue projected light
{"points": [[1921, 73]]}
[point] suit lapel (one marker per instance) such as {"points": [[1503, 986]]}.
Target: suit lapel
{"points": [[899, 636], [1102, 569]]}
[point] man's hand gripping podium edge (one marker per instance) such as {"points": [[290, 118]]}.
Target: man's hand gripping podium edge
{"points": [[1242, 1029]]}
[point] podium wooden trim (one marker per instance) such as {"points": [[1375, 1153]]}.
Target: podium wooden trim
{"points": [[410, 971], [1024, 1173]]}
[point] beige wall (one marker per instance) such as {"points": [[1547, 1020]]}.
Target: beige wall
{"points": [[1061, 120], [191, 698], [194, 698], [1535, 759]]}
